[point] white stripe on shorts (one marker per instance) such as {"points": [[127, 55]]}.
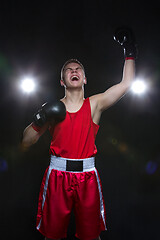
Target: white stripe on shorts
{"points": [[45, 192], [101, 200]]}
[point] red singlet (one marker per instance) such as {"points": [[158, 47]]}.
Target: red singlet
{"points": [[75, 136]]}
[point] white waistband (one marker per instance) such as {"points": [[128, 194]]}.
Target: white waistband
{"points": [[59, 163]]}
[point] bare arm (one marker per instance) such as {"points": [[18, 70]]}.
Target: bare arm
{"points": [[30, 136], [113, 94], [103, 101]]}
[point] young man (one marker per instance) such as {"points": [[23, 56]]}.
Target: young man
{"points": [[71, 181]]}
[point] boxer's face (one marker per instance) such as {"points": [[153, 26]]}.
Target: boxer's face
{"points": [[73, 76]]}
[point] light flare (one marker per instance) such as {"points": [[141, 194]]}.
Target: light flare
{"points": [[28, 85]]}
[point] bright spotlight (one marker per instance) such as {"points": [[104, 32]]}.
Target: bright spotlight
{"points": [[28, 85], [139, 87]]}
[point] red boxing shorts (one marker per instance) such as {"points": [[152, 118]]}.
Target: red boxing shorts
{"points": [[71, 184]]}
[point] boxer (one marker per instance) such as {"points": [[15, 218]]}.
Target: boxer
{"points": [[72, 181]]}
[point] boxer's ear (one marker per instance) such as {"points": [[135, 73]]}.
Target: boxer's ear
{"points": [[85, 80], [62, 83]]}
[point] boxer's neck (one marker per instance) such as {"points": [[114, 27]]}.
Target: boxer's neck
{"points": [[73, 99], [74, 95]]}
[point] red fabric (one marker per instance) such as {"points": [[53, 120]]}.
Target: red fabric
{"points": [[75, 136], [67, 190], [128, 58]]}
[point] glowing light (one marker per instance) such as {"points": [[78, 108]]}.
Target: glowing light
{"points": [[114, 141], [139, 87], [151, 167], [123, 147], [3, 165], [28, 85]]}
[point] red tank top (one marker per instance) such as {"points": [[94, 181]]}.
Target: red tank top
{"points": [[75, 136]]}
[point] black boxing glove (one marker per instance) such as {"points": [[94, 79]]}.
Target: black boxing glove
{"points": [[125, 37], [55, 111]]}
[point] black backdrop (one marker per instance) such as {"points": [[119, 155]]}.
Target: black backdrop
{"points": [[36, 38]]}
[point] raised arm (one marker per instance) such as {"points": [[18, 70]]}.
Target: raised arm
{"points": [[116, 92], [102, 101]]}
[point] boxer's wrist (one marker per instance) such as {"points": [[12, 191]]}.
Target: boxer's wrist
{"points": [[129, 58]]}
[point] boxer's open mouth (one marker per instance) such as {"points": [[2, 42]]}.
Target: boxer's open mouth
{"points": [[74, 78]]}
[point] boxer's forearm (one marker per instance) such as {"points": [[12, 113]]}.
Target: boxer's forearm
{"points": [[128, 73], [30, 137]]}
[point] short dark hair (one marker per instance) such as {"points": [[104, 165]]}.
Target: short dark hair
{"points": [[72, 60]]}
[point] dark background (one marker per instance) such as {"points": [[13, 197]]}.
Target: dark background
{"points": [[37, 38]]}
